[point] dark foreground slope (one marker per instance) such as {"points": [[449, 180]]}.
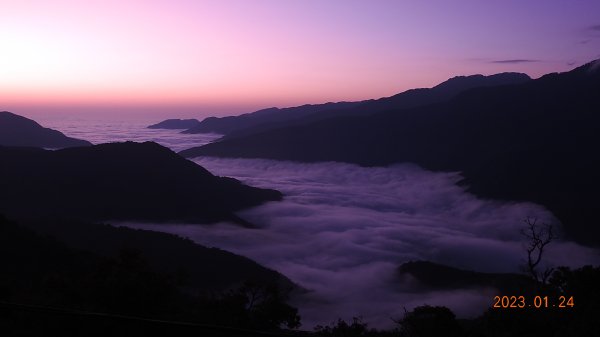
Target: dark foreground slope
{"points": [[436, 276], [16, 130], [199, 268], [266, 119], [119, 181], [122, 280], [534, 141]]}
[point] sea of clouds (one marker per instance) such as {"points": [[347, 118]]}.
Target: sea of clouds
{"points": [[99, 131], [342, 230]]}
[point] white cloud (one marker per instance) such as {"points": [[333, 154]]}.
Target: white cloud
{"points": [[342, 230]]}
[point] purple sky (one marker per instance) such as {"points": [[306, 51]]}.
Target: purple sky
{"points": [[184, 58]]}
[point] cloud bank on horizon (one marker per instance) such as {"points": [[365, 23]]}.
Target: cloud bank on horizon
{"points": [[342, 230]]}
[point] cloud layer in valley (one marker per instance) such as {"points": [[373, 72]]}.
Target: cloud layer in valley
{"points": [[342, 230]]}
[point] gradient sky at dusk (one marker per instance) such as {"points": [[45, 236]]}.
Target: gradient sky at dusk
{"points": [[184, 58]]}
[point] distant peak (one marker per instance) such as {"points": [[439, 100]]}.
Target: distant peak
{"points": [[505, 75], [9, 113], [590, 67], [594, 66], [459, 83], [17, 118], [17, 130]]}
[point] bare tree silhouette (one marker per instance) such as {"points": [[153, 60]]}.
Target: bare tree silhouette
{"points": [[538, 236]]}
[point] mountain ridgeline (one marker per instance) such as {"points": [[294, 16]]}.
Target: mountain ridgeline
{"points": [[17, 130], [263, 118], [271, 118], [534, 141], [119, 181]]}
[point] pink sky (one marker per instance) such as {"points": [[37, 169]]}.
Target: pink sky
{"points": [[182, 58]]}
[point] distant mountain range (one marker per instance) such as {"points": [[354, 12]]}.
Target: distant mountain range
{"points": [[271, 118], [175, 124], [16, 130], [119, 181], [536, 141], [56, 256]]}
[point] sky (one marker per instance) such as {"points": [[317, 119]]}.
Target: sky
{"points": [[187, 58]]}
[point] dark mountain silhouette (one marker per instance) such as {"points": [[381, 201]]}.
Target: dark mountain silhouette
{"points": [[16, 130], [437, 276], [229, 124], [425, 96], [54, 283], [535, 141], [203, 269], [119, 181], [262, 120], [175, 124]]}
